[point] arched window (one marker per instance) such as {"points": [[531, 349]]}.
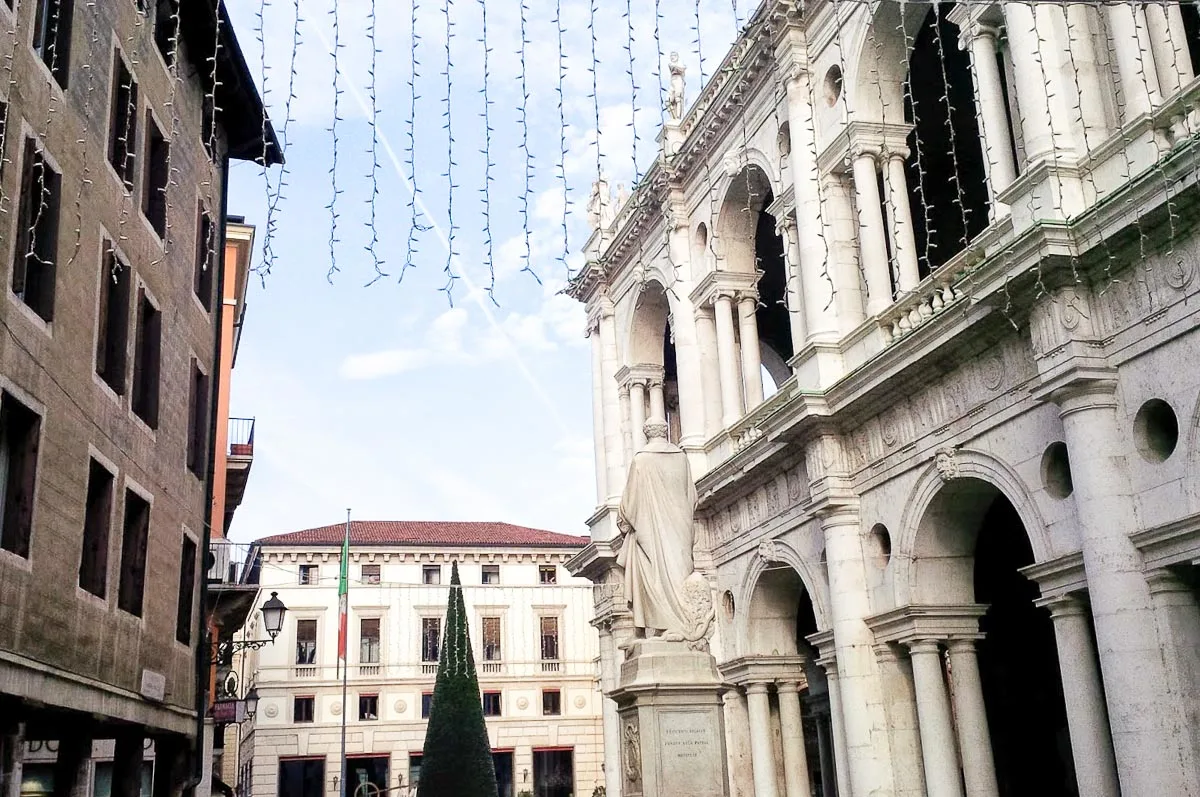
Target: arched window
{"points": [[945, 168]]}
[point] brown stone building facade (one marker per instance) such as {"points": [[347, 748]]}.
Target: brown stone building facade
{"points": [[119, 122]]}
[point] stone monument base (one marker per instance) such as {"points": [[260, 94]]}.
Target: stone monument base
{"points": [[672, 730]]}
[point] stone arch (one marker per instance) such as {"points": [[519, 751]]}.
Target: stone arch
{"points": [[954, 480], [648, 325], [809, 578], [880, 51]]}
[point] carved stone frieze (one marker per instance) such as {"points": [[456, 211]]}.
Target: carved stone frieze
{"points": [[946, 460]]}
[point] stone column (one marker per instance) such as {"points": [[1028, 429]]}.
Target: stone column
{"points": [[170, 760], [710, 370], [1029, 75], [1172, 61], [814, 255], [974, 739], [761, 749], [993, 115], [837, 724], [904, 733], [610, 721], [737, 743], [637, 414], [751, 353], [626, 425], [1083, 694], [614, 414], [127, 764], [937, 726], [1147, 753], [731, 390], [598, 435], [828, 776], [71, 765], [872, 240], [658, 406], [786, 229], [1135, 60], [795, 757], [904, 242], [1177, 612], [864, 725]]}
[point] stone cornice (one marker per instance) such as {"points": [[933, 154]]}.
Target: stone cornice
{"points": [[874, 137], [1174, 543], [592, 562], [764, 669], [717, 283], [1058, 577]]}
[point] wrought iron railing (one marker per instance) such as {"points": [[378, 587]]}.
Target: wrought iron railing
{"points": [[241, 437]]}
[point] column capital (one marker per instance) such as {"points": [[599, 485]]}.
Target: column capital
{"points": [[1080, 388], [961, 645], [787, 687], [861, 150], [894, 153], [623, 390], [887, 651], [975, 30], [757, 687], [1064, 605], [747, 295], [924, 645], [1162, 580], [785, 224]]}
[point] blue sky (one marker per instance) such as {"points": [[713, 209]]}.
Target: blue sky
{"points": [[386, 398]]}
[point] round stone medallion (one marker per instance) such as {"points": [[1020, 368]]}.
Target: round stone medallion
{"points": [[271, 710], [401, 707], [580, 701], [523, 703], [336, 709]]}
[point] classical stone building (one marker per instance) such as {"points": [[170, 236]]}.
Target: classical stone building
{"points": [[914, 286], [118, 121], [535, 652]]}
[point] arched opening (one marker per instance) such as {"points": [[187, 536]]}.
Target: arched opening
{"points": [[780, 618], [1018, 657], [945, 168], [971, 547], [751, 244], [1191, 27], [651, 344]]}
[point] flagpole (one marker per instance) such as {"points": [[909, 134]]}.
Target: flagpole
{"points": [[343, 633]]}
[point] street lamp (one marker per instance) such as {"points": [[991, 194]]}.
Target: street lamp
{"points": [[272, 611], [251, 700]]}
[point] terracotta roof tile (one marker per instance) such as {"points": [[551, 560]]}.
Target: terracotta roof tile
{"points": [[410, 532]]}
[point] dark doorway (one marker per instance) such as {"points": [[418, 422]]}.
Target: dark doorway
{"points": [[814, 702], [503, 761], [554, 772], [365, 772], [302, 777], [774, 326], [947, 186], [1018, 664]]}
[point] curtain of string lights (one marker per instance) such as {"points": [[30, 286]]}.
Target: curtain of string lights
{"points": [[504, 112]]}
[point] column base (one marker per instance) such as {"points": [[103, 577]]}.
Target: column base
{"points": [[818, 365], [672, 726]]}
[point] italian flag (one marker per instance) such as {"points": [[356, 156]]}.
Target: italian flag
{"points": [[343, 597]]}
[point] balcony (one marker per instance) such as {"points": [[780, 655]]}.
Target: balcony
{"points": [[229, 598], [239, 457]]}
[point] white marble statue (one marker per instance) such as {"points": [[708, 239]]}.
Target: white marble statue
{"points": [[665, 595], [675, 97], [599, 207]]}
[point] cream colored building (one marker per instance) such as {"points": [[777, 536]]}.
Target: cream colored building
{"points": [[535, 651], [915, 287]]}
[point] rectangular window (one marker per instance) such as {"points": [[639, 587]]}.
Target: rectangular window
{"points": [[426, 704], [122, 123], [490, 574], [302, 709], [431, 638], [306, 641], [187, 590], [431, 574], [298, 777], [551, 702], [549, 631], [112, 326], [154, 198], [206, 248], [370, 574], [148, 348], [491, 639], [166, 29], [368, 707], [197, 451], [133, 554], [52, 36], [548, 574], [368, 636], [97, 521], [308, 575], [19, 433], [36, 237], [491, 704]]}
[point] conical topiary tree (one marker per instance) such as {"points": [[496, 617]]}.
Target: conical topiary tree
{"points": [[457, 760]]}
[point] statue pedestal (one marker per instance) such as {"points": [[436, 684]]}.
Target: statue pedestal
{"points": [[672, 730]]}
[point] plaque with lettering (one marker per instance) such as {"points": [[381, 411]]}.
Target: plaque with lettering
{"points": [[691, 755]]}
